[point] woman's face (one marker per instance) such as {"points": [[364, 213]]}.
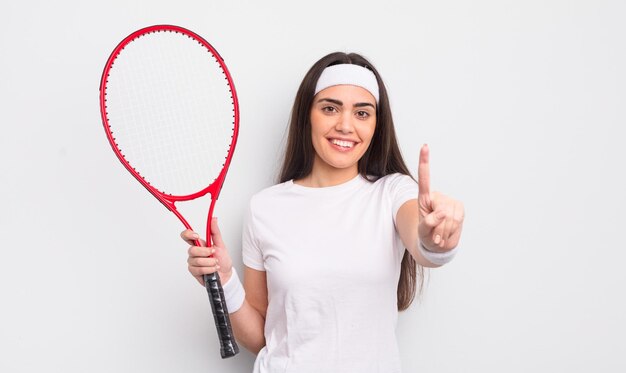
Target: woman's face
{"points": [[343, 119]]}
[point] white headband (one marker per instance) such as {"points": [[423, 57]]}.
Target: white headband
{"points": [[348, 74]]}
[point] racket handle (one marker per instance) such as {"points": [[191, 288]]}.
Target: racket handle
{"points": [[228, 346]]}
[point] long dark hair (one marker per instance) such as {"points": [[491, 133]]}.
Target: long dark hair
{"points": [[382, 158]]}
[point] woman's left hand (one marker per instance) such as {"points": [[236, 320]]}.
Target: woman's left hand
{"points": [[441, 217]]}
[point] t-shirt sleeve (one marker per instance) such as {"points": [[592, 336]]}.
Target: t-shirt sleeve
{"points": [[251, 250], [402, 188]]}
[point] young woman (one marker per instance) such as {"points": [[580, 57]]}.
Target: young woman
{"points": [[331, 253]]}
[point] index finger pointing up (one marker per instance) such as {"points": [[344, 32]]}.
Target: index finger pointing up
{"points": [[423, 171]]}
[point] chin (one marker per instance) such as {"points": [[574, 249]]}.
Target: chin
{"points": [[343, 165]]}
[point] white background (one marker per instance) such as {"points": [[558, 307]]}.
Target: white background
{"points": [[521, 102]]}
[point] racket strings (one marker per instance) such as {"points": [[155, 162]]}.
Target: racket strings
{"points": [[171, 111]]}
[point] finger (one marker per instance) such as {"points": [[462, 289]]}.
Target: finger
{"points": [[199, 271], [454, 211], [434, 219], [454, 239], [192, 238], [189, 236], [447, 226], [441, 202], [455, 233], [423, 171], [202, 262], [216, 235], [457, 218], [200, 251], [427, 226], [437, 234]]}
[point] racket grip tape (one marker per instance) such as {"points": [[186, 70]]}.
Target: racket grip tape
{"points": [[228, 346]]}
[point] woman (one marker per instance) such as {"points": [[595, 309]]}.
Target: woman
{"points": [[330, 253]]}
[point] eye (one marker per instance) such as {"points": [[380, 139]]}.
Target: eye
{"points": [[362, 114], [329, 109]]}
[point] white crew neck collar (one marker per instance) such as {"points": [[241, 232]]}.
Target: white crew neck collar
{"points": [[358, 179]]}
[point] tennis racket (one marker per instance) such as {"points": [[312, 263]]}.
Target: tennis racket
{"points": [[170, 112]]}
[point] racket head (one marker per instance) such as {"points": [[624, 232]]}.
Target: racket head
{"points": [[170, 111]]}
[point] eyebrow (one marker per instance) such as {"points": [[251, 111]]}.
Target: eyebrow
{"points": [[339, 103]]}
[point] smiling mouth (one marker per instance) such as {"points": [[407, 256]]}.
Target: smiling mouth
{"points": [[343, 143]]}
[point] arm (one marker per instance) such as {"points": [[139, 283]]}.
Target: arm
{"points": [[248, 322]]}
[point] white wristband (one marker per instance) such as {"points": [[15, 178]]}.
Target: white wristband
{"points": [[436, 258], [234, 294]]}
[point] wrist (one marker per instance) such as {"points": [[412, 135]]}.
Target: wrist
{"points": [[225, 276], [436, 257], [434, 251], [234, 294]]}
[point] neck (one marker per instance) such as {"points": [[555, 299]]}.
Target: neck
{"points": [[324, 175]]}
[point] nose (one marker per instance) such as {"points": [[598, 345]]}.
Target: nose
{"points": [[344, 123]]}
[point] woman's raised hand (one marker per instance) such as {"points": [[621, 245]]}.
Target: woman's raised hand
{"points": [[441, 217]]}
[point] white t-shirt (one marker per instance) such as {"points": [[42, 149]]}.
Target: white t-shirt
{"points": [[332, 257]]}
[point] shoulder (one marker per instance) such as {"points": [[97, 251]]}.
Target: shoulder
{"points": [[395, 181], [398, 189], [269, 195]]}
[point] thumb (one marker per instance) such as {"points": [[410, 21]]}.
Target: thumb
{"points": [[434, 219], [216, 235]]}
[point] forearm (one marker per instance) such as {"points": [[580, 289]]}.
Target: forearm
{"points": [[248, 326], [406, 224], [248, 307]]}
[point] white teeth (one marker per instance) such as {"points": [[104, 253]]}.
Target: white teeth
{"points": [[342, 143]]}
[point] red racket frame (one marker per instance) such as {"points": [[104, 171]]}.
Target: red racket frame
{"points": [[169, 200]]}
